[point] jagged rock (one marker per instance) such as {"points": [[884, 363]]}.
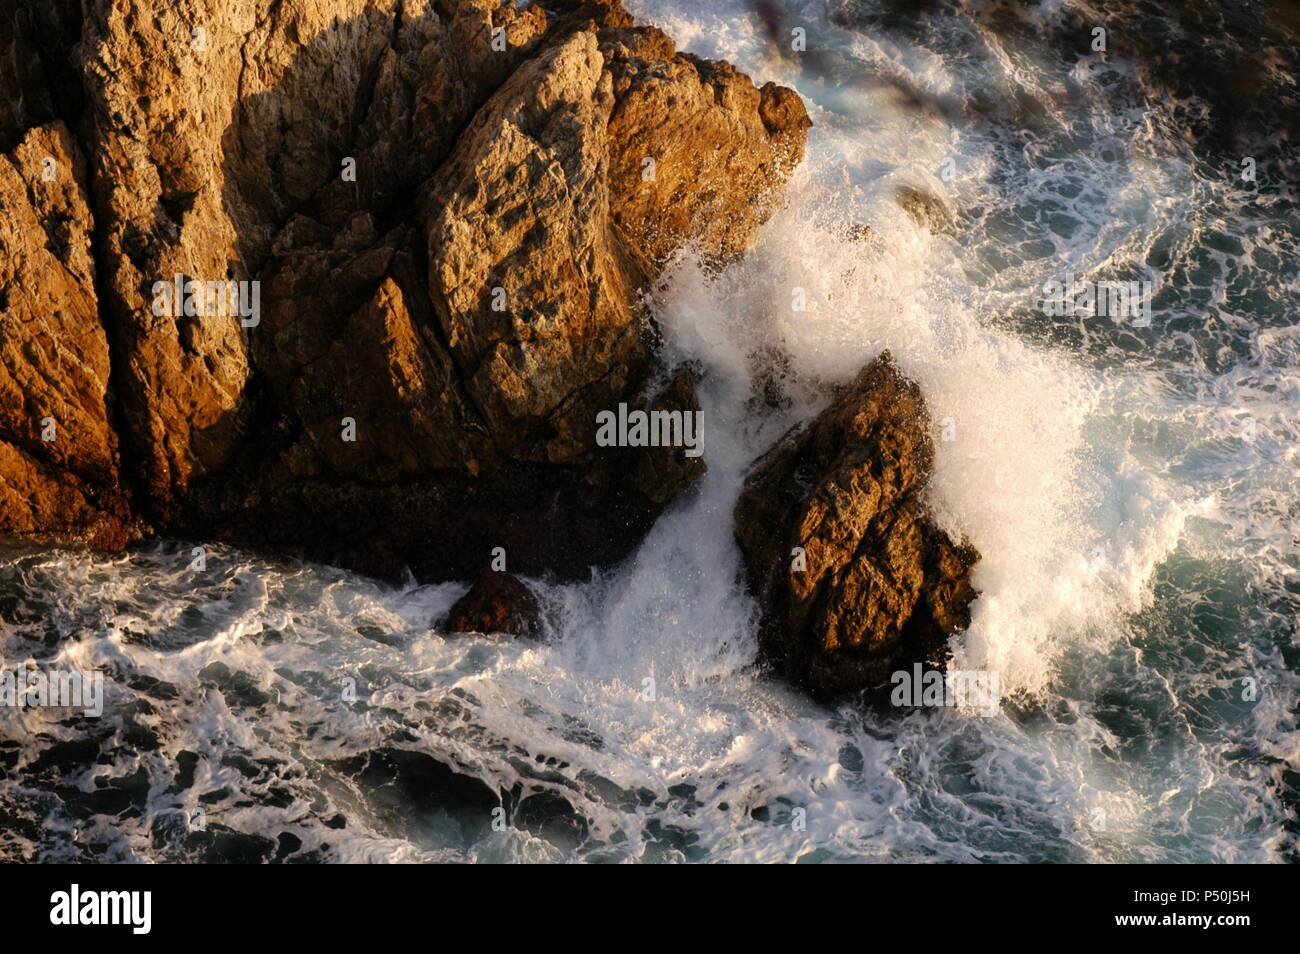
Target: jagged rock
{"points": [[532, 299], [496, 603], [853, 579], [468, 300], [58, 450], [695, 148]]}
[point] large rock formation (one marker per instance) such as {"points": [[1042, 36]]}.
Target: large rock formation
{"points": [[450, 211], [853, 579]]}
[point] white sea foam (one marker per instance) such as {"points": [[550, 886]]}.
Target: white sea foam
{"points": [[1137, 549]]}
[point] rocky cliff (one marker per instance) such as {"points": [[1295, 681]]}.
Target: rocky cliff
{"points": [[352, 278]]}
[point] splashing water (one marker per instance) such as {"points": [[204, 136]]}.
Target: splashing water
{"points": [[1139, 544]]}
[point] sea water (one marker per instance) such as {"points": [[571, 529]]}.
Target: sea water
{"points": [[1134, 489]]}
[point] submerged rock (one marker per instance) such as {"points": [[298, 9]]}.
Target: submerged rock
{"points": [[496, 603], [927, 210], [853, 579]]}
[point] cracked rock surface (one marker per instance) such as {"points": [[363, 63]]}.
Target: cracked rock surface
{"points": [[853, 578], [448, 209]]}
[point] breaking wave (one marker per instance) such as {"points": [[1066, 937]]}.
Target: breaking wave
{"points": [[1133, 491]]}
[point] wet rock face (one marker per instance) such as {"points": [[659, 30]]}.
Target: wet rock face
{"points": [[449, 219], [853, 579], [926, 210], [496, 603]]}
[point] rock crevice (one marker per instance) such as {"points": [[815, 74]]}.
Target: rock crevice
{"points": [[448, 212]]}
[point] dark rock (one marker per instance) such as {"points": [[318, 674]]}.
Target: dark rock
{"points": [[647, 478], [853, 579], [497, 603]]}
